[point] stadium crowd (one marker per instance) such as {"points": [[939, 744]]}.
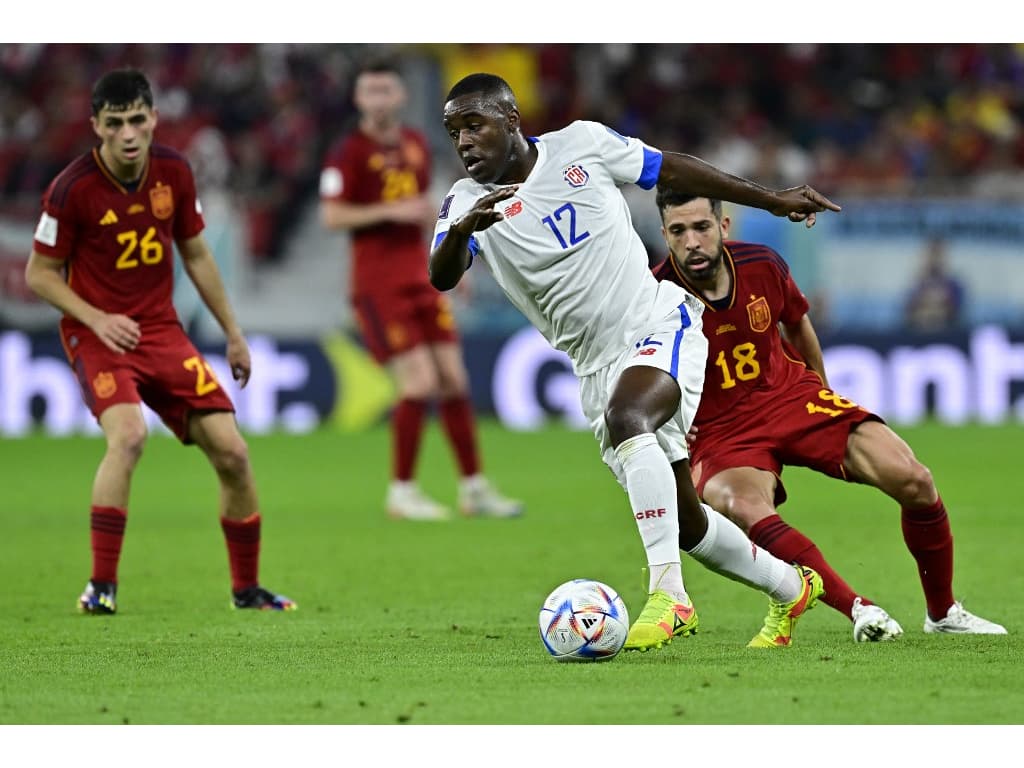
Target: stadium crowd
{"points": [[869, 120]]}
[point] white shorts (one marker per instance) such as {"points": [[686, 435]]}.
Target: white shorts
{"points": [[675, 344]]}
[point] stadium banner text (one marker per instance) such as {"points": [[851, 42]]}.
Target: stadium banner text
{"points": [[297, 386]]}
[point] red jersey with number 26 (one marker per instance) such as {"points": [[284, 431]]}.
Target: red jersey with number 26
{"points": [[362, 171], [118, 242], [747, 357]]}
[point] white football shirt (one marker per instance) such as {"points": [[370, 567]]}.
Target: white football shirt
{"points": [[566, 254]]}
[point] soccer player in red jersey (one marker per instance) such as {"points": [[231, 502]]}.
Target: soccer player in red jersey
{"points": [[766, 404], [373, 184], [103, 255]]}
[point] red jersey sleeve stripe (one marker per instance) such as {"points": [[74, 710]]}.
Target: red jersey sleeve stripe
{"points": [[78, 170]]}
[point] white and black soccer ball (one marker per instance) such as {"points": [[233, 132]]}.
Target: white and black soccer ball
{"points": [[583, 620]]}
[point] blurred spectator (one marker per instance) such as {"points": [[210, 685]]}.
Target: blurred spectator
{"points": [[936, 302], [861, 120]]}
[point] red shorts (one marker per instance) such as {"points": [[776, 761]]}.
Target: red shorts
{"points": [[165, 371], [397, 321], [806, 425]]}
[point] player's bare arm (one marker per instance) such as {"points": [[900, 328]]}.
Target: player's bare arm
{"points": [[803, 336], [342, 215], [202, 271], [693, 175], [45, 276], [450, 259]]}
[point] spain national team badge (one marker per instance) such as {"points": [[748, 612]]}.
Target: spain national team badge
{"points": [[104, 385], [760, 314], [576, 176], [161, 200]]}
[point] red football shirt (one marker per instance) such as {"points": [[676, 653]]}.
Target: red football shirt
{"points": [[118, 242], [747, 356], [386, 255]]}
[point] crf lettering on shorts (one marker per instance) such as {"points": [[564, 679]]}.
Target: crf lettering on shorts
{"points": [[649, 514]]}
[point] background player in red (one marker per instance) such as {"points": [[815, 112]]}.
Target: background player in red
{"points": [[766, 403], [374, 183], [103, 255]]}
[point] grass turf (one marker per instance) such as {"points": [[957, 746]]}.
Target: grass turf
{"points": [[424, 623]]}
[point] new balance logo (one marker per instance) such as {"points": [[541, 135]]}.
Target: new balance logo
{"points": [[108, 218]]}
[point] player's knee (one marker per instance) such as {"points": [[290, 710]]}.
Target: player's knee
{"points": [[128, 443], [918, 486], [420, 386], [231, 460], [625, 421], [743, 509]]}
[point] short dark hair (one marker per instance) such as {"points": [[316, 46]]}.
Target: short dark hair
{"points": [[379, 67], [487, 84], [668, 197], [119, 89]]}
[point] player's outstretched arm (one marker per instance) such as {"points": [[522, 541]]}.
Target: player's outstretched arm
{"points": [[692, 175], [202, 270], [450, 258]]}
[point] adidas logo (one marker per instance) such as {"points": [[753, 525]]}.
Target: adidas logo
{"points": [[588, 621], [108, 218]]}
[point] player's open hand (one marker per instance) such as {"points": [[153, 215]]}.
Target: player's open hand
{"points": [[802, 204], [239, 360], [482, 214], [118, 332]]}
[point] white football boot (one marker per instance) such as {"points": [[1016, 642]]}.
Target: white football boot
{"points": [[478, 498], [959, 621], [406, 501], [871, 624]]}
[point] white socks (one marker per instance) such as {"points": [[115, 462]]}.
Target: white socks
{"points": [[651, 486], [726, 550]]}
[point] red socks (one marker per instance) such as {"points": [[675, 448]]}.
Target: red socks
{"points": [[106, 528], [243, 540], [406, 431], [929, 539], [787, 543], [460, 425]]}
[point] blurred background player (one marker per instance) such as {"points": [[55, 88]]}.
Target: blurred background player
{"points": [[103, 255], [374, 184], [766, 404], [936, 301]]}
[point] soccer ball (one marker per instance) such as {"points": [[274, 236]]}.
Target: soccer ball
{"points": [[583, 620]]}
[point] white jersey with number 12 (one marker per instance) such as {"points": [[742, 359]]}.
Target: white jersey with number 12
{"points": [[566, 253]]}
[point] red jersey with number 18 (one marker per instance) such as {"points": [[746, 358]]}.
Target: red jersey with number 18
{"points": [[747, 356], [118, 242]]}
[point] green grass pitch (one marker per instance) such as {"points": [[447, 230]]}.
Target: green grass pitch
{"points": [[425, 623]]}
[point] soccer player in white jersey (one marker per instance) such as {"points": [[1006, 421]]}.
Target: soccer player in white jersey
{"points": [[546, 217]]}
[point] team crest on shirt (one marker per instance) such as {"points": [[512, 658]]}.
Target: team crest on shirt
{"points": [[161, 200], [576, 176], [760, 314], [104, 385]]}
